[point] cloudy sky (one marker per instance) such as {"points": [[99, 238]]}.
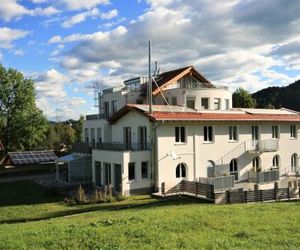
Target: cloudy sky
{"points": [[71, 47]]}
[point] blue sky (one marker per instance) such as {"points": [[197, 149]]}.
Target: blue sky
{"points": [[70, 47]]}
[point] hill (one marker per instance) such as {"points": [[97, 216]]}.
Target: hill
{"points": [[277, 97]]}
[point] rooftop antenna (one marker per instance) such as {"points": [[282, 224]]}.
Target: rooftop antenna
{"points": [[150, 81]]}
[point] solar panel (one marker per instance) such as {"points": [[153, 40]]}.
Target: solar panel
{"points": [[29, 157]]}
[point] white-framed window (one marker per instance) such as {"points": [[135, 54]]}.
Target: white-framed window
{"points": [[233, 133], [86, 135], [275, 131], [227, 102], [107, 173], [256, 164], [174, 100], [255, 132], [180, 134], [205, 103], [127, 137], [217, 103], [181, 170], [208, 134], [293, 132], [190, 102], [276, 161], [131, 171], [144, 170], [114, 107], [294, 162], [99, 135], [233, 168]]}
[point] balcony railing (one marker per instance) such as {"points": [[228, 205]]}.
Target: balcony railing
{"points": [[221, 182], [268, 145], [123, 147], [263, 177], [95, 117]]}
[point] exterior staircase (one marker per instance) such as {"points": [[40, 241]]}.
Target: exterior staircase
{"points": [[250, 146]]}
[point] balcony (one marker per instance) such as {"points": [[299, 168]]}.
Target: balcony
{"points": [[95, 117], [263, 177], [268, 145], [123, 147]]}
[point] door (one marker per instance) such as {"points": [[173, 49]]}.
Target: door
{"points": [[118, 177]]}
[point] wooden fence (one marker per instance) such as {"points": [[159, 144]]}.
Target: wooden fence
{"points": [[232, 196], [191, 187], [240, 196]]}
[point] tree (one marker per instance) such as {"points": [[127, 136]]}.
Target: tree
{"points": [[242, 99], [22, 124], [77, 125]]}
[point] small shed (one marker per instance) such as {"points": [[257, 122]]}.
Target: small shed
{"points": [[28, 161], [79, 168]]}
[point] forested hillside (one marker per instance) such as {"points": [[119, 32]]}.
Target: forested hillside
{"points": [[277, 97]]}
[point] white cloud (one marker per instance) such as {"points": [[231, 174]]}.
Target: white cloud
{"points": [[80, 17], [11, 9], [110, 14], [8, 35], [83, 4]]}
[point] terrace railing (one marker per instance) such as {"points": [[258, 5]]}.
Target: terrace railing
{"points": [[123, 147], [221, 182], [263, 177]]}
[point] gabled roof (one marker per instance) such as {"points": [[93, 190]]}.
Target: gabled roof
{"points": [[177, 113], [169, 77]]}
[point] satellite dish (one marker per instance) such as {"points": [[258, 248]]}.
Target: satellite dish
{"points": [[174, 155]]}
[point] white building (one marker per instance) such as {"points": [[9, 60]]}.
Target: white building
{"points": [[192, 132]]}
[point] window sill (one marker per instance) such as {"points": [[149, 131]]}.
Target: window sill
{"points": [[293, 138], [208, 142], [180, 143], [233, 141]]}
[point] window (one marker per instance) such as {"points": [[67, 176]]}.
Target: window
{"points": [[180, 134], [114, 107], [145, 172], [131, 171], [93, 137], [166, 100], [106, 109], [204, 103], [190, 102], [256, 164], [293, 131], [294, 162], [275, 161], [142, 135], [233, 168], [275, 132], [107, 173], [181, 170], [227, 104], [99, 135], [86, 135], [98, 174], [127, 138], [174, 100], [233, 134], [217, 102], [208, 133], [255, 133]]}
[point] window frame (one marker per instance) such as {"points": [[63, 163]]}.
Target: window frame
{"points": [[147, 170], [293, 132], [258, 132], [204, 107], [207, 132], [179, 171], [134, 171], [236, 139], [181, 139]]}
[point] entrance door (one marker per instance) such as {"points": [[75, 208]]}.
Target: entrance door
{"points": [[118, 177]]}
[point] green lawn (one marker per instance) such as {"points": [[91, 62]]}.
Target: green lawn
{"points": [[145, 223]]}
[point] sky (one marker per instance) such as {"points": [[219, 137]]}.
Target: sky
{"points": [[72, 48]]}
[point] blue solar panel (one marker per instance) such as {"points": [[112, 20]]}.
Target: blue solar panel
{"points": [[29, 157]]}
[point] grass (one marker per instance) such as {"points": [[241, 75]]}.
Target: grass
{"points": [[146, 223]]}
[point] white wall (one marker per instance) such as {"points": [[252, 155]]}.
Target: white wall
{"points": [[195, 153]]}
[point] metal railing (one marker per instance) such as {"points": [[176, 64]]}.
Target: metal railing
{"points": [[263, 177], [95, 117], [268, 145], [221, 182], [123, 147]]}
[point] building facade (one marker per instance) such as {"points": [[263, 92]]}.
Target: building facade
{"points": [[192, 133]]}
